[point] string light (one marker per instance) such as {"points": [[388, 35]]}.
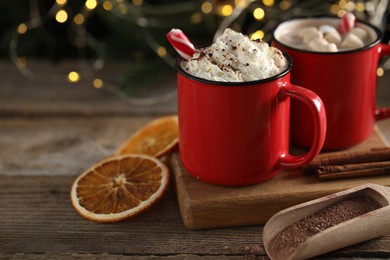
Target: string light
{"points": [[258, 35], [61, 16], [107, 5], [61, 2], [334, 9], [226, 10], [341, 13], [360, 7], [342, 4], [98, 83], [122, 8], [138, 2], [380, 72], [268, 2], [350, 6], [196, 18], [79, 19], [161, 51], [206, 7], [73, 77], [258, 13], [90, 4], [135, 11], [22, 28], [285, 4]]}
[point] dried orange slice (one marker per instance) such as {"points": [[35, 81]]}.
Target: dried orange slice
{"points": [[119, 187], [155, 139]]}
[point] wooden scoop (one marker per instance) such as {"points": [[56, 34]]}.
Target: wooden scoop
{"points": [[361, 228]]}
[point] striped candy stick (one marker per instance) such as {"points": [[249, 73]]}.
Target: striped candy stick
{"points": [[347, 22], [181, 43]]}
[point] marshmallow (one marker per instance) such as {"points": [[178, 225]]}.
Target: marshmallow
{"points": [[327, 29], [333, 37], [351, 41], [321, 45], [359, 32], [332, 47], [309, 33]]}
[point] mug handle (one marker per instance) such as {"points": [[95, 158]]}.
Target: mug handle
{"points": [[315, 105], [382, 112]]}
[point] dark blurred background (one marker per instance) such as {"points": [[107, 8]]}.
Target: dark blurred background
{"points": [[132, 32]]}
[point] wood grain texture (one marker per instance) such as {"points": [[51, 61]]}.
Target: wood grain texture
{"points": [[48, 93], [37, 216], [61, 145], [205, 206]]}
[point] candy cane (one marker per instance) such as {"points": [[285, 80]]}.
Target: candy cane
{"points": [[181, 43], [347, 22]]}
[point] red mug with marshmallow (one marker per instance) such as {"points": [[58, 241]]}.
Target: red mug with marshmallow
{"points": [[237, 133], [345, 80], [234, 110]]}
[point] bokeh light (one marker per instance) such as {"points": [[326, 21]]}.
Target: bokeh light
{"points": [[91, 4], [226, 10], [22, 28], [98, 83], [161, 51], [285, 4], [107, 5], [61, 16], [206, 7], [268, 2], [61, 2], [258, 13], [79, 19], [258, 35], [196, 18], [138, 2], [380, 72], [73, 77]]}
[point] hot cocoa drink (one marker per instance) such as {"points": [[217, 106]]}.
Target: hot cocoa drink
{"points": [[322, 35]]}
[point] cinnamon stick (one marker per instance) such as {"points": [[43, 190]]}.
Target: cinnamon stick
{"points": [[347, 164], [352, 170], [353, 174], [348, 157]]}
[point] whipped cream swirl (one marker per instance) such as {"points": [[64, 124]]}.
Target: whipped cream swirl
{"points": [[235, 58]]}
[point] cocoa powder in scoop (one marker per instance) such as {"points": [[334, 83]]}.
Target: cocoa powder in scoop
{"points": [[285, 243]]}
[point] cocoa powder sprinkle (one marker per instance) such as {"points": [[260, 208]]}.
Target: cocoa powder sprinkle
{"points": [[286, 242]]}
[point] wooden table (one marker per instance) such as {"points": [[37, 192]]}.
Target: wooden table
{"points": [[50, 132]]}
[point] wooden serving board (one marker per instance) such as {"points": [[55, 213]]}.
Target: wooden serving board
{"points": [[206, 206]]}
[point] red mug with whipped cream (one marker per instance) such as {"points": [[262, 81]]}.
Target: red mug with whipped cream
{"points": [[341, 69], [234, 110]]}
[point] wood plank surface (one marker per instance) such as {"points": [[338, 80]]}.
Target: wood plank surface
{"points": [[37, 217], [53, 145]]}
